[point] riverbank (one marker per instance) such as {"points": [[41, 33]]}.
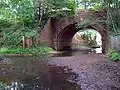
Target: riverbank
{"points": [[91, 71], [95, 71]]}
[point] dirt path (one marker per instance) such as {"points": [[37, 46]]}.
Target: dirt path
{"points": [[95, 71]]}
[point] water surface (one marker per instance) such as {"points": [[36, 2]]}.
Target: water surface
{"points": [[30, 73]]}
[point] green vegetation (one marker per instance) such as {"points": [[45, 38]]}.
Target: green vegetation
{"points": [[2, 86], [17, 19], [20, 19], [113, 12], [113, 55], [90, 37], [91, 4], [25, 18], [32, 50]]}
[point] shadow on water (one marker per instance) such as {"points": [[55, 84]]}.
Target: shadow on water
{"points": [[24, 74], [72, 52], [76, 50]]}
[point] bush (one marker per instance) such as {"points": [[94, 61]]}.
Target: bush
{"points": [[113, 55], [2, 86], [32, 50]]}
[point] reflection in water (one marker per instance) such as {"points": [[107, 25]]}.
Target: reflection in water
{"points": [[98, 50], [26, 74], [76, 52]]}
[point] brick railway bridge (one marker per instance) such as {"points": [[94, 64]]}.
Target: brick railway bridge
{"points": [[59, 34]]}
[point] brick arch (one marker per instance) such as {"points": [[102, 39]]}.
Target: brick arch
{"points": [[59, 34], [64, 37]]}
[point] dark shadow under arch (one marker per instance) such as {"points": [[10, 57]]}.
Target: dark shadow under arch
{"points": [[64, 37]]}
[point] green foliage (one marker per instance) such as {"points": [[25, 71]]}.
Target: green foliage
{"points": [[18, 18], [54, 8], [84, 24], [113, 55], [13, 35], [56, 5], [32, 50], [113, 12], [2, 86], [90, 4], [90, 38], [89, 20]]}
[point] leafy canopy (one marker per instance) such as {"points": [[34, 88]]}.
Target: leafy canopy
{"points": [[19, 18]]}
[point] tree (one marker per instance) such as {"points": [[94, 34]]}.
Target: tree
{"points": [[90, 4], [55, 8], [113, 12], [18, 18]]}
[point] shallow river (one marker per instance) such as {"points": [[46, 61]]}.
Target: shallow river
{"points": [[33, 73]]}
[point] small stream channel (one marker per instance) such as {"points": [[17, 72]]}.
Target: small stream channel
{"points": [[32, 73]]}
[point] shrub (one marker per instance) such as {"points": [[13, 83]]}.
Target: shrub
{"points": [[2, 86], [32, 50], [113, 55]]}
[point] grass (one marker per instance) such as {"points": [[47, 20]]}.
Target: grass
{"points": [[20, 50]]}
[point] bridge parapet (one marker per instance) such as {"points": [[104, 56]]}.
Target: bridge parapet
{"points": [[91, 15]]}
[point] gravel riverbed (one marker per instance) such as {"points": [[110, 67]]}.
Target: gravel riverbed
{"points": [[95, 71]]}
